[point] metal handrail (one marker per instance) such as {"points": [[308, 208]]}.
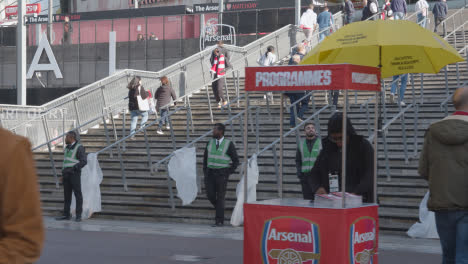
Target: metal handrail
{"points": [[174, 70], [316, 114], [444, 104]]}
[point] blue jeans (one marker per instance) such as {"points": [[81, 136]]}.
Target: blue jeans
{"points": [[452, 227], [323, 33], [164, 117], [135, 114], [301, 107], [422, 20], [403, 81], [398, 15], [348, 18]]}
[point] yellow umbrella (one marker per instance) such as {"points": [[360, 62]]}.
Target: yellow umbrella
{"points": [[398, 46]]}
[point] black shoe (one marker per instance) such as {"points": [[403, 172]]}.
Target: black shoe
{"points": [[219, 224], [63, 217], [214, 225], [78, 219]]}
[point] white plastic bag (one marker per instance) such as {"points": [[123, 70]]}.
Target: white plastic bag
{"points": [[183, 170], [237, 217], [426, 227], [91, 178], [152, 106]]}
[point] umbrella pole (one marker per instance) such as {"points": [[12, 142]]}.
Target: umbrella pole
{"points": [[376, 134], [281, 147], [246, 141], [343, 151]]}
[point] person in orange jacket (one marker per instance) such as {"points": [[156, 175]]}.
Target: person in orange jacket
{"points": [[21, 227]]}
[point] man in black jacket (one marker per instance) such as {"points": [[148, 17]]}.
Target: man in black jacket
{"points": [[74, 160], [219, 153], [359, 161], [348, 11]]}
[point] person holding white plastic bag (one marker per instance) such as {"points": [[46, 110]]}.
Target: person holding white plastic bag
{"points": [[268, 59], [137, 103]]}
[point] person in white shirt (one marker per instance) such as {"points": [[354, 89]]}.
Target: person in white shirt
{"points": [[308, 22], [268, 59], [421, 8]]}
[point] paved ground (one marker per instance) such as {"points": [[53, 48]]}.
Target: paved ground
{"points": [[103, 241]]}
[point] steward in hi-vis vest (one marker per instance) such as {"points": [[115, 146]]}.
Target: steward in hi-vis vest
{"points": [[307, 152], [219, 161], [73, 161]]}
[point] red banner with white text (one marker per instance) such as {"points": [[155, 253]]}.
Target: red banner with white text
{"points": [[30, 9], [312, 77]]}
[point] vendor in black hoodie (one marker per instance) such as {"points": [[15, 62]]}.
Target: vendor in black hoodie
{"points": [[359, 161]]}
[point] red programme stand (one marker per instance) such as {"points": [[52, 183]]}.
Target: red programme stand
{"points": [[293, 231], [284, 231]]}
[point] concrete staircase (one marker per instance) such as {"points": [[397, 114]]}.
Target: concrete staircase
{"points": [[148, 198]]}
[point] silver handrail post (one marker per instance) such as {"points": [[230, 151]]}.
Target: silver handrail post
{"points": [[257, 132], [405, 143], [171, 128], [209, 104], [169, 188], [124, 132], [106, 131], [275, 160], [387, 167], [49, 147], [421, 101], [148, 150], [416, 116]]}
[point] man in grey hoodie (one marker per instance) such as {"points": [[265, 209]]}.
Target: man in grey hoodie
{"points": [[444, 163], [163, 98]]}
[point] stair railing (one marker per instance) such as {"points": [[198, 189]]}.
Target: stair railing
{"points": [[444, 104], [296, 130]]}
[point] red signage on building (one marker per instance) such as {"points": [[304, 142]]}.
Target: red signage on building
{"points": [[30, 9], [312, 77]]}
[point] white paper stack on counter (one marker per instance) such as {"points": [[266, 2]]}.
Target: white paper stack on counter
{"points": [[334, 200], [327, 200], [352, 200]]}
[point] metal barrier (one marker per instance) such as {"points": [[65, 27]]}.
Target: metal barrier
{"points": [[444, 104], [272, 146]]}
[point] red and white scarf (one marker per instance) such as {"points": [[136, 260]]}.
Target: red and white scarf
{"points": [[219, 65]]}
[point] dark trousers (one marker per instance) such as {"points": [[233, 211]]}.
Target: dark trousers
{"points": [[72, 183], [334, 97], [164, 112], [437, 21], [307, 192], [301, 107], [216, 184], [218, 89]]}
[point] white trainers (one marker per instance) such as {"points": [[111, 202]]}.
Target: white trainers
{"points": [[220, 104], [168, 126], [402, 103], [159, 131]]}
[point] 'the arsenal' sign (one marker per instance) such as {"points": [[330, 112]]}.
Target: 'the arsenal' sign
{"points": [[312, 77], [30, 9]]}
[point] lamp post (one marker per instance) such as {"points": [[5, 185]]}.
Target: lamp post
{"points": [[21, 55]]}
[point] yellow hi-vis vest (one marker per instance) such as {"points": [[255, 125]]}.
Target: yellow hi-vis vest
{"points": [[309, 157], [70, 160], [217, 158]]}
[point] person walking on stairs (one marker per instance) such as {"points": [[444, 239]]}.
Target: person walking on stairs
{"points": [[163, 98], [219, 161]]}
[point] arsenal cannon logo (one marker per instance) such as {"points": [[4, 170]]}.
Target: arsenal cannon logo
{"points": [[290, 240], [363, 241]]}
